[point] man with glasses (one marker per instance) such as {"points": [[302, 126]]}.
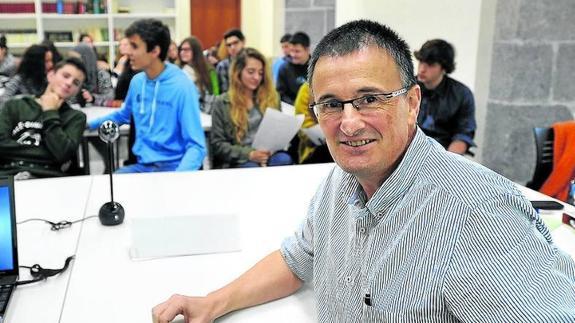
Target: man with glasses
{"points": [[234, 40], [400, 230], [447, 112]]}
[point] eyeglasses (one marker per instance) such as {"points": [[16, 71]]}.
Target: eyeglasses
{"points": [[185, 49], [366, 105]]}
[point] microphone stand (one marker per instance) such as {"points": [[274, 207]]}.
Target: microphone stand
{"points": [[111, 213]]}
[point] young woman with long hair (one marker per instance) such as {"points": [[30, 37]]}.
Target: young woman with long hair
{"points": [[238, 113], [30, 78], [195, 65]]}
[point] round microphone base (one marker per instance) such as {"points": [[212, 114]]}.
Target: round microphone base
{"points": [[111, 213]]}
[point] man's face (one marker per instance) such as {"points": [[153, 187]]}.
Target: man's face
{"points": [[66, 81], [140, 58], [234, 45], [299, 54], [429, 74], [87, 40], [366, 146], [286, 48]]}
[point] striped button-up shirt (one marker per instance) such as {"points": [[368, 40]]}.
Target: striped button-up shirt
{"points": [[442, 240]]}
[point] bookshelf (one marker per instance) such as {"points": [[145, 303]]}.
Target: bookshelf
{"points": [[25, 22]]}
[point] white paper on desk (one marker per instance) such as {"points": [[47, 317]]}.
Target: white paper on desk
{"points": [[287, 108], [170, 236], [276, 130], [315, 135]]}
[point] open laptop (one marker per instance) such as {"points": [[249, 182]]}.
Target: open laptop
{"points": [[8, 249]]}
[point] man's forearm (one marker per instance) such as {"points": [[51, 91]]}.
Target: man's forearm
{"points": [[268, 280]]}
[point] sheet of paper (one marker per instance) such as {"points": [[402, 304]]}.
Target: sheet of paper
{"points": [[287, 109], [171, 236], [276, 130], [315, 135]]}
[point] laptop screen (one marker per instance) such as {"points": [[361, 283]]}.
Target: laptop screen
{"points": [[8, 254]]}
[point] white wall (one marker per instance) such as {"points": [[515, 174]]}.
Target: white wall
{"points": [[417, 21], [467, 25], [263, 24]]}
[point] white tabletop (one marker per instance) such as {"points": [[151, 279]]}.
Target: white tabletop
{"points": [[93, 112], [108, 286], [54, 200]]}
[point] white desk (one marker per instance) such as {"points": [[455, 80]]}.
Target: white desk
{"points": [[109, 287], [54, 200], [563, 236], [93, 112], [106, 286]]}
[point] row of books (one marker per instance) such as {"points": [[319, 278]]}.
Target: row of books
{"points": [[57, 6], [20, 36]]}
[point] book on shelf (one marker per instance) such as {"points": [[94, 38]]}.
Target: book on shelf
{"points": [[20, 36], [16, 6], [74, 6], [59, 36]]}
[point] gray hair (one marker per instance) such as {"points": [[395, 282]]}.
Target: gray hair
{"points": [[359, 34]]}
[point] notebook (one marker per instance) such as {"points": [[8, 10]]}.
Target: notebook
{"points": [[172, 236], [8, 249]]}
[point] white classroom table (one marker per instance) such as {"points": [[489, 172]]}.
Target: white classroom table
{"points": [[54, 200], [105, 285], [109, 287]]}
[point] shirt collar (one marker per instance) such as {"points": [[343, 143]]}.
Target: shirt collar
{"points": [[396, 185]]}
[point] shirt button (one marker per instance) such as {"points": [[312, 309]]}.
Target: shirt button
{"points": [[379, 214], [362, 230], [348, 280]]}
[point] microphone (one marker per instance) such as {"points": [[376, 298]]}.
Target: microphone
{"points": [[111, 213]]}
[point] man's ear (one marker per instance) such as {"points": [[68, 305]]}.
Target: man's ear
{"points": [[413, 101], [156, 51]]}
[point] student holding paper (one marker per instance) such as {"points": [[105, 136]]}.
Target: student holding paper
{"points": [[238, 113]]}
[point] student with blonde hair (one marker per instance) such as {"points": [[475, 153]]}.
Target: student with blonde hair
{"points": [[238, 113]]}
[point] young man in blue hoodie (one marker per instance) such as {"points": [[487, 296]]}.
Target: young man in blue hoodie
{"points": [[164, 103]]}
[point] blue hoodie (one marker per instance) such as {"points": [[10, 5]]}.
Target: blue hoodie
{"points": [[166, 113]]}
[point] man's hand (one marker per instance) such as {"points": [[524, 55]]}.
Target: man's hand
{"points": [[194, 309], [50, 101], [458, 147], [260, 156]]}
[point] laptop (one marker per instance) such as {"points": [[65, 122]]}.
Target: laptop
{"points": [[8, 249]]}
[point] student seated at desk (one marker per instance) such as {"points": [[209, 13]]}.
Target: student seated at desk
{"points": [[164, 104], [39, 136], [237, 115]]}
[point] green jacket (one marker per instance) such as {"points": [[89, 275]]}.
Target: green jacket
{"points": [[225, 150], [41, 142]]}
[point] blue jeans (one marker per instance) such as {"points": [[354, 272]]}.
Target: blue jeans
{"points": [[280, 158], [149, 168]]}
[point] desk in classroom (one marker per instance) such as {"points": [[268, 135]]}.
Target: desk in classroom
{"points": [[105, 285], [94, 112]]}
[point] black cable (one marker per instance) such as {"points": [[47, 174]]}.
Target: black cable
{"points": [[39, 274], [57, 226]]}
